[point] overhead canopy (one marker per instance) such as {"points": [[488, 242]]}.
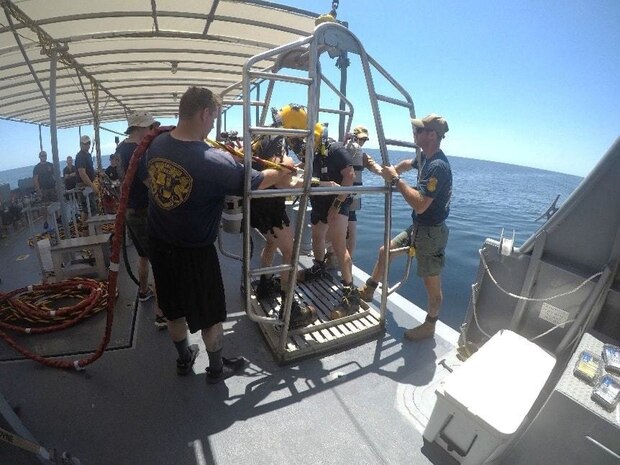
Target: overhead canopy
{"points": [[134, 54]]}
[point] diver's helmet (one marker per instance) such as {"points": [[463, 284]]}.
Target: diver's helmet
{"points": [[291, 116]]}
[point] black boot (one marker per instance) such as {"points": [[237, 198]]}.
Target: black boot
{"points": [[267, 287], [318, 270]]}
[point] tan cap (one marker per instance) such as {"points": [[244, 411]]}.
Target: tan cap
{"points": [[360, 132], [140, 120], [85, 140], [432, 121]]}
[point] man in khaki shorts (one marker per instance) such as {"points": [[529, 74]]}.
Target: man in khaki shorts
{"points": [[428, 234]]}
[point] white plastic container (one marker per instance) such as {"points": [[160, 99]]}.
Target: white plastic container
{"points": [[232, 215], [482, 405]]}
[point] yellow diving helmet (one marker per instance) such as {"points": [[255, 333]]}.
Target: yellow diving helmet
{"points": [[292, 116]]}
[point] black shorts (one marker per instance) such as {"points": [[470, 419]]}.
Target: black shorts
{"points": [[189, 283], [137, 226], [268, 213], [321, 205]]}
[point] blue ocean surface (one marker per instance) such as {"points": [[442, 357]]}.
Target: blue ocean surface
{"points": [[487, 196]]}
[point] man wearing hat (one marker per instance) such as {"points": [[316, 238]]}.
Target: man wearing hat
{"points": [[361, 160], [428, 234], [86, 175], [138, 125]]}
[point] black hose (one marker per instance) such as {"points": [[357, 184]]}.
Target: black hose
{"points": [[126, 258]]}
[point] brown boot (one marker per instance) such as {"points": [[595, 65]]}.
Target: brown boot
{"points": [[349, 304], [424, 331], [368, 290]]}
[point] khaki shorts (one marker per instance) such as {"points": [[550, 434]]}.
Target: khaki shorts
{"points": [[430, 246]]}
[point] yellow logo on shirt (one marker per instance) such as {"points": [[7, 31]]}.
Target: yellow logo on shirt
{"points": [[431, 185], [171, 184]]}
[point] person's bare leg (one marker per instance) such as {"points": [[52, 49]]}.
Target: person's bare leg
{"points": [[269, 250], [434, 294], [338, 237], [283, 240], [177, 329], [435, 297], [351, 237], [143, 274], [213, 337], [319, 231]]}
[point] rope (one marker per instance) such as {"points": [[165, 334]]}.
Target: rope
{"points": [[31, 310], [519, 297], [531, 299], [67, 316]]}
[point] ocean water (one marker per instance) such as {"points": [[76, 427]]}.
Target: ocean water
{"points": [[487, 196]]}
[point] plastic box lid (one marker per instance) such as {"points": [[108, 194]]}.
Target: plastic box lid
{"points": [[501, 381]]}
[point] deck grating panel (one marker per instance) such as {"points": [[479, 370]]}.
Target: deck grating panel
{"points": [[323, 335]]}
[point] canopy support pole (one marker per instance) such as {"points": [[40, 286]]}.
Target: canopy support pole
{"points": [[54, 142]]}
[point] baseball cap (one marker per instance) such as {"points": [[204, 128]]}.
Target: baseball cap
{"points": [[85, 140], [360, 132], [140, 120], [432, 121]]}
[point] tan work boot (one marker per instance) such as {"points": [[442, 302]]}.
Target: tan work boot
{"points": [[349, 304], [367, 291], [424, 331]]}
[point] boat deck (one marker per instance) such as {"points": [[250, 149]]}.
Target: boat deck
{"points": [[364, 405]]}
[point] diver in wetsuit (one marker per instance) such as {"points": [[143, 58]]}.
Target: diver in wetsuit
{"points": [[268, 215]]}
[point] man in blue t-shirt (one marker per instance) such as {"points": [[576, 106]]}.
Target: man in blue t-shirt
{"points": [[86, 176], [428, 234], [138, 125], [188, 180]]}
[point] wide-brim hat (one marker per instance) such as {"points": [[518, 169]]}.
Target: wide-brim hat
{"points": [[140, 120]]}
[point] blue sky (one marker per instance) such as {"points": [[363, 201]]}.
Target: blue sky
{"points": [[523, 82]]}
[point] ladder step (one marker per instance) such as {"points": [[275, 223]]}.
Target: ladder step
{"points": [[281, 77], [401, 103], [401, 143], [334, 111], [277, 269], [234, 102], [279, 131]]}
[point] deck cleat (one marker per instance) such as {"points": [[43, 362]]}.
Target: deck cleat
{"points": [[349, 304]]}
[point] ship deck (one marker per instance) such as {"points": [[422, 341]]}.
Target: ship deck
{"points": [[365, 405]]}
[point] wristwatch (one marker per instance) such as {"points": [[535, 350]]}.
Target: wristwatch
{"points": [[394, 181]]}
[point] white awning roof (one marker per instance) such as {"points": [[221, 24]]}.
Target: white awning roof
{"points": [[135, 54]]}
